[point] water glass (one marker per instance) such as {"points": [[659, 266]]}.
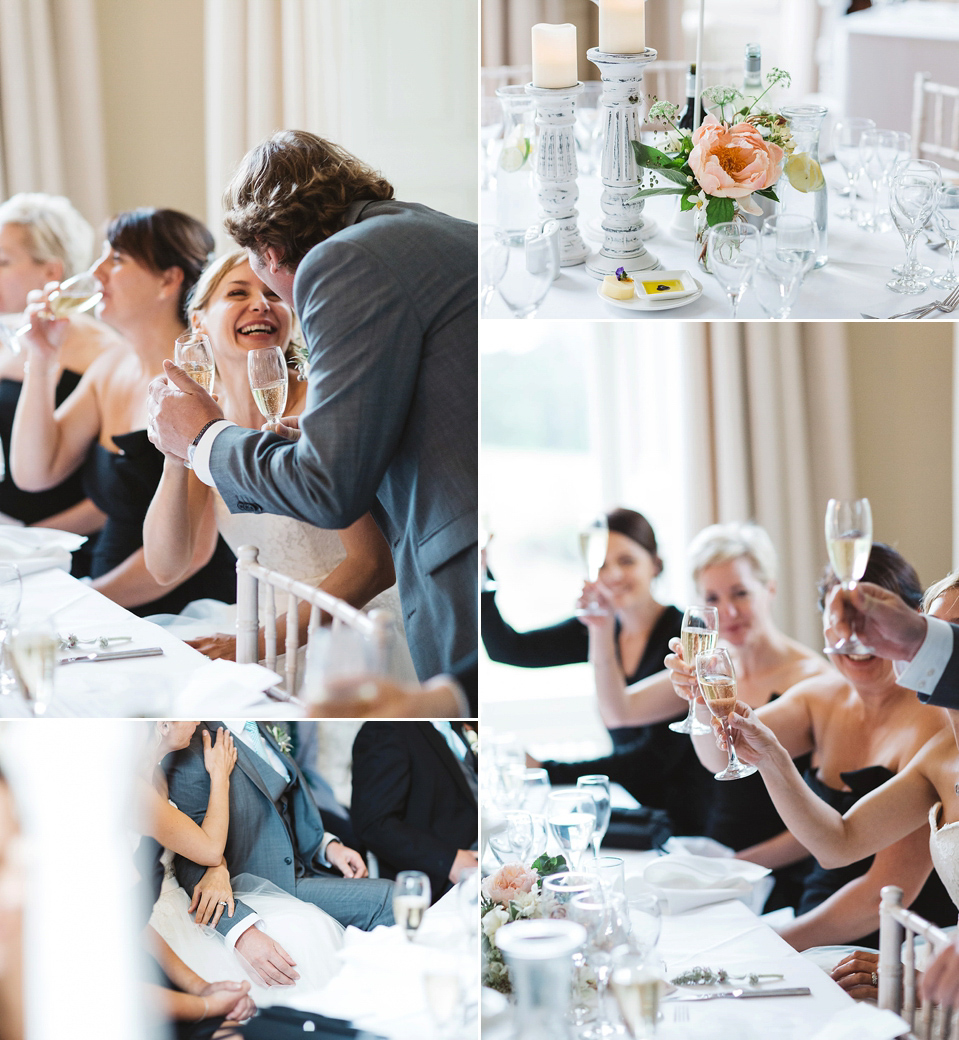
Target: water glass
{"points": [[645, 913], [593, 913], [776, 285], [947, 221], [536, 788], [846, 136], [788, 236], [519, 834], [611, 871], [733, 251], [531, 266], [912, 200], [571, 816]]}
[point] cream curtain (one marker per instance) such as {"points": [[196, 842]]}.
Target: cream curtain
{"points": [[768, 408], [51, 130], [395, 97]]}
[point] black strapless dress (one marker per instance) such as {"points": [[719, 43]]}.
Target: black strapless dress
{"points": [[933, 901], [122, 485]]}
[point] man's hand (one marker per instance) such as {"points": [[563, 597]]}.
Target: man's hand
{"points": [[177, 409], [271, 964], [213, 894], [347, 861], [466, 859], [879, 617], [288, 427]]}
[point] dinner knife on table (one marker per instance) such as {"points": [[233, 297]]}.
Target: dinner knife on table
{"points": [[113, 655], [783, 991]]}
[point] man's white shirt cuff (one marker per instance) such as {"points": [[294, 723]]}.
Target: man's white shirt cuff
{"points": [[924, 671], [327, 838], [201, 455], [239, 928]]}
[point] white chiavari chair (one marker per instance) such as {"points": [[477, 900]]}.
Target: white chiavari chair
{"points": [[375, 626], [935, 121], [898, 928]]}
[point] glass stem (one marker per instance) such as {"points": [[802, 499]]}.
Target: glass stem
{"points": [[734, 762], [953, 246], [910, 252]]}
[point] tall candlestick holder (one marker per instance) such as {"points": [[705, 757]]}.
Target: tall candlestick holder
{"points": [[556, 168], [622, 76]]}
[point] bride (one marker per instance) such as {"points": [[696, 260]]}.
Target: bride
{"points": [[239, 313], [925, 790], [310, 935]]}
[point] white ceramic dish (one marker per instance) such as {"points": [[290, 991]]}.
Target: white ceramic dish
{"points": [[642, 303]]}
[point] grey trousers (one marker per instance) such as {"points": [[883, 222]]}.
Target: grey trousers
{"points": [[362, 902]]}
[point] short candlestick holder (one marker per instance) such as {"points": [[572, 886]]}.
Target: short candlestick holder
{"points": [[556, 168], [622, 101]]}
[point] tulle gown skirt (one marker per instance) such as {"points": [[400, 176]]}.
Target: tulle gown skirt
{"points": [[309, 935]]}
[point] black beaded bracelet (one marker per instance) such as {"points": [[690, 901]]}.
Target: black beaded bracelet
{"points": [[203, 429]]}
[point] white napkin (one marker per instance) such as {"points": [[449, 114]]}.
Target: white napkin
{"points": [[686, 882], [227, 689], [35, 549], [698, 846], [862, 1022]]}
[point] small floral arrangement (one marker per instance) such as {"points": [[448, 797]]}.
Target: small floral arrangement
{"points": [[282, 738], [727, 160], [513, 893]]}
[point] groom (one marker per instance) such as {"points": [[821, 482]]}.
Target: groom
{"points": [[275, 833]]}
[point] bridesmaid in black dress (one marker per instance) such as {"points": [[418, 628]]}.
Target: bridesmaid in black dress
{"points": [[153, 259], [43, 239]]}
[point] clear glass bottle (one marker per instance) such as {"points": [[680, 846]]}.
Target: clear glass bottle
{"points": [[753, 70], [802, 187], [516, 206]]}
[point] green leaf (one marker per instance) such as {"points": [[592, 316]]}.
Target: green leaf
{"points": [[686, 202], [649, 192], [719, 211], [676, 176], [653, 159], [768, 193], [545, 865]]}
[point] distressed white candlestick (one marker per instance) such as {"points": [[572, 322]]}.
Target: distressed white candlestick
{"points": [[556, 168], [622, 121], [554, 55]]}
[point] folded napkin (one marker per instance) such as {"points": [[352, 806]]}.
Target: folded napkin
{"points": [[862, 1022], [225, 689], [35, 549], [686, 882], [698, 846]]}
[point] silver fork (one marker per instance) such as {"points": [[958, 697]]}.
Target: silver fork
{"points": [[951, 302], [947, 305]]}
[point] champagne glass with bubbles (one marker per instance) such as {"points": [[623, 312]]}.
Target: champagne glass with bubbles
{"points": [[75, 295], [193, 352], [571, 816], [11, 590], [266, 367], [849, 541], [717, 680], [411, 899], [637, 986], [33, 648], [699, 632], [597, 785], [593, 545]]}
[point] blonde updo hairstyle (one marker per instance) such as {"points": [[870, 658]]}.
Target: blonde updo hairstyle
{"points": [[940, 588], [210, 280], [722, 543], [54, 230]]}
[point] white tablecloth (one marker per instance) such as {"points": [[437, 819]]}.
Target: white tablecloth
{"points": [[881, 50], [853, 281]]}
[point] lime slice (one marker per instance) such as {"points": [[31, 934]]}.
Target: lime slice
{"points": [[513, 157], [803, 172]]}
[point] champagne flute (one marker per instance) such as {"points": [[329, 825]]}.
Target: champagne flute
{"points": [[269, 381], [597, 786], [11, 591], [72, 296], [536, 788], [849, 541], [193, 352], [571, 816], [33, 647], [645, 913], [845, 138], [733, 252], [411, 899], [717, 680], [699, 632], [593, 912], [558, 891], [593, 545], [637, 987], [878, 150]]}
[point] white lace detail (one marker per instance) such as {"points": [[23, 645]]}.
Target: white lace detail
{"points": [[944, 847]]}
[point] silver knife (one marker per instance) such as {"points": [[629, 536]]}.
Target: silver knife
{"points": [[788, 991], [113, 655]]}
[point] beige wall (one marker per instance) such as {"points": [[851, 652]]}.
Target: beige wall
{"points": [[151, 60], [901, 377]]}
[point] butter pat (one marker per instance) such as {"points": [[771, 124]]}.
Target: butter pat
{"points": [[619, 288]]}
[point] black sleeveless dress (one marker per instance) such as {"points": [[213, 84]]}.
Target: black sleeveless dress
{"points": [[122, 484], [32, 506], [933, 901]]}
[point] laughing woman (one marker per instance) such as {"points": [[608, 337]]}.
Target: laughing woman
{"points": [[239, 314]]}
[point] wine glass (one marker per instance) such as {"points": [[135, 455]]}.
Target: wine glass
{"points": [[411, 899], [645, 913], [536, 788], [878, 149], [33, 648], [266, 367], [637, 986], [733, 251], [592, 911], [717, 680], [593, 545], [493, 264], [700, 630], [597, 786], [776, 285], [849, 541], [912, 200], [530, 269], [947, 221], [11, 591], [72, 296], [571, 816], [845, 139], [519, 834]]}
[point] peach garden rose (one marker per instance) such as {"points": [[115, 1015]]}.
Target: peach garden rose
{"points": [[732, 162], [509, 882]]}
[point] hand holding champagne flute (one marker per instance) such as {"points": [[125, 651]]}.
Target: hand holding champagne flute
{"points": [[73, 296], [593, 544], [849, 541], [699, 634], [717, 680], [269, 381]]}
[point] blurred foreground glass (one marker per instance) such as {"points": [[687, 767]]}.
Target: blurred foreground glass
{"points": [[597, 786], [411, 900], [638, 987], [33, 649], [11, 590], [532, 264], [733, 251]]}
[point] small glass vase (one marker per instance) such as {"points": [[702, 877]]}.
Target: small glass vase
{"points": [[702, 234], [805, 123]]}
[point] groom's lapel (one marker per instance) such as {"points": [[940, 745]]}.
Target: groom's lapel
{"points": [[249, 761]]}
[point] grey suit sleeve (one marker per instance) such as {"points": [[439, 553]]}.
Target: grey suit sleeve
{"points": [[365, 342]]}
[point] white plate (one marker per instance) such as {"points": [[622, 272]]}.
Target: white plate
{"points": [[639, 303]]}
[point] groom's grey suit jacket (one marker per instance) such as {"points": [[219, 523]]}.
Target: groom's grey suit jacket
{"points": [[259, 842], [388, 306]]}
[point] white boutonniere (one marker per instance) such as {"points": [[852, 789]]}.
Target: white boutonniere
{"points": [[282, 737]]}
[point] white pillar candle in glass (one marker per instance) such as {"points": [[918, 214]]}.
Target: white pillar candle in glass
{"points": [[554, 55], [622, 26]]}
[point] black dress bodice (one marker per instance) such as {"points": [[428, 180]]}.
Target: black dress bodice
{"points": [[122, 484], [933, 902]]}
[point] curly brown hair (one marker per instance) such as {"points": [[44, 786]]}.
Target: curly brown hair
{"points": [[291, 192]]}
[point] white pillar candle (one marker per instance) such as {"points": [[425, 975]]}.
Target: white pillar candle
{"points": [[622, 26], [554, 55]]}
